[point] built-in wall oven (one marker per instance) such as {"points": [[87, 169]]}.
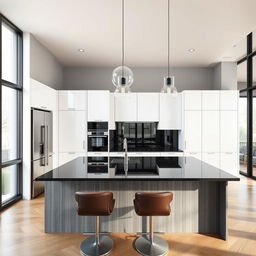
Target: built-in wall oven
{"points": [[97, 136]]}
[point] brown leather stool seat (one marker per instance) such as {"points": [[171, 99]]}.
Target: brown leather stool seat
{"points": [[95, 204], [152, 204]]}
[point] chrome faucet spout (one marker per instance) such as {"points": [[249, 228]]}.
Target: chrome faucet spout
{"points": [[125, 147]]}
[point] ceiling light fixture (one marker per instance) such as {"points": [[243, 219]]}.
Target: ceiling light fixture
{"points": [[191, 50], [122, 76], [81, 50], [169, 86]]}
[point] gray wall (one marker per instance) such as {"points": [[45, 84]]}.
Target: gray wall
{"points": [[44, 66], [225, 76], [145, 79]]}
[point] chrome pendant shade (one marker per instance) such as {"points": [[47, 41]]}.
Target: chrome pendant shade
{"points": [[169, 85], [122, 76]]}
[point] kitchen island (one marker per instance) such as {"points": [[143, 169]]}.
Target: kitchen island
{"points": [[199, 205]]}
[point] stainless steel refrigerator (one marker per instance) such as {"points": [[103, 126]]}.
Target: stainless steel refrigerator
{"points": [[41, 154]]}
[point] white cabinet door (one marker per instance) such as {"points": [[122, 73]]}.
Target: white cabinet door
{"points": [[170, 112], [67, 157], [72, 100], [193, 135], [126, 107], [228, 131], [211, 131], [210, 100], [42, 96], [72, 131], [229, 163], [98, 106], [229, 100], [112, 124], [148, 107], [192, 100]]}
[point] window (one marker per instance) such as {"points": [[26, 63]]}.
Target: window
{"points": [[246, 83], [10, 112]]}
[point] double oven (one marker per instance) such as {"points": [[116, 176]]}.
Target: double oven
{"points": [[97, 143]]}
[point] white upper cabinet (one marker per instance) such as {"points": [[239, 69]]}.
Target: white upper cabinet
{"points": [[228, 100], [211, 131], [193, 100], [98, 106], [72, 131], [125, 107], [42, 96], [228, 131], [148, 107], [72, 100], [193, 135], [170, 112], [210, 100], [112, 124]]}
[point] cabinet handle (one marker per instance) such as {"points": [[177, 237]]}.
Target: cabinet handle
{"points": [[185, 144], [210, 153], [228, 153], [83, 144], [71, 109], [43, 107], [71, 153]]}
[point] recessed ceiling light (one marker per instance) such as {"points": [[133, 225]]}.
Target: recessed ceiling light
{"points": [[81, 50], [191, 50]]}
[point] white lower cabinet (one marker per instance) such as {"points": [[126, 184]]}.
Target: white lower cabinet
{"points": [[72, 131], [229, 162], [229, 131], [211, 159], [69, 156]]}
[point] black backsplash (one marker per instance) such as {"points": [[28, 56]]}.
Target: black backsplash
{"points": [[143, 137]]}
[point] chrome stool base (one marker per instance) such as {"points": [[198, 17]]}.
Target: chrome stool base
{"points": [[90, 248], [159, 247]]}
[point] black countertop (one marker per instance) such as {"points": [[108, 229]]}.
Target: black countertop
{"points": [[140, 168]]}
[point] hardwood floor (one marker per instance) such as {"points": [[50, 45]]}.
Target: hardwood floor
{"points": [[22, 231]]}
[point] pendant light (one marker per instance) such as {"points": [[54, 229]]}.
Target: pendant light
{"points": [[169, 86], [122, 76]]}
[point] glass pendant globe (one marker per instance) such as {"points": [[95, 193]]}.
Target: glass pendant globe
{"points": [[122, 76]]}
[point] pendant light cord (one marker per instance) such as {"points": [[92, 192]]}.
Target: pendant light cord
{"points": [[122, 38], [168, 33]]}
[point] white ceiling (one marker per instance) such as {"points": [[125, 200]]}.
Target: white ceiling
{"points": [[209, 26]]}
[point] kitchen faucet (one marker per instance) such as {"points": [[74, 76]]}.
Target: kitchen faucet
{"points": [[125, 148]]}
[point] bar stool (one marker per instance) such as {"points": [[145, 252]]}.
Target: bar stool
{"points": [[152, 204], [95, 204]]}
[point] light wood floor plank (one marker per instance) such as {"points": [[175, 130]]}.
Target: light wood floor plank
{"points": [[22, 225]]}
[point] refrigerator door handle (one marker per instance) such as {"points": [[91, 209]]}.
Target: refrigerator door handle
{"points": [[42, 145], [47, 145]]}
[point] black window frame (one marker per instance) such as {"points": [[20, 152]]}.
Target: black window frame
{"points": [[18, 86], [250, 54]]}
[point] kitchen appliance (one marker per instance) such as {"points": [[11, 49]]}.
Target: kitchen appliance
{"points": [[97, 136], [41, 148], [97, 164]]}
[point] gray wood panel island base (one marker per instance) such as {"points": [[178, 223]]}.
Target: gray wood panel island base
{"points": [[199, 204]]}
